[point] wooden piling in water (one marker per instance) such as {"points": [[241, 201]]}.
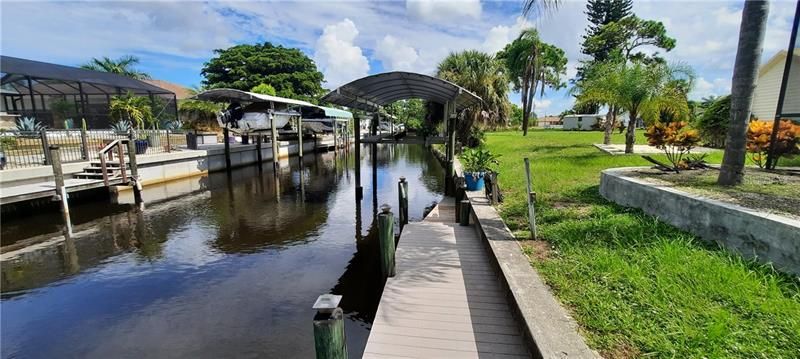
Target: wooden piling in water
{"points": [[300, 138], [402, 194], [329, 334], [258, 150], [226, 136], [359, 188], [61, 188], [386, 239], [137, 186]]}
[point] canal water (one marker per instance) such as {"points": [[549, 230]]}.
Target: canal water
{"points": [[213, 266]]}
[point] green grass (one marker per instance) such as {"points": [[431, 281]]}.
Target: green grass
{"points": [[639, 287]]}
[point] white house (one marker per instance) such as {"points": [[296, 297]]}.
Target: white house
{"points": [[770, 75], [583, 122]]}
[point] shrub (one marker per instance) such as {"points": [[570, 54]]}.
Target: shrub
{"points": [[676, 139], [758, 140], [29, 124], [713, 122], [132, 108]]}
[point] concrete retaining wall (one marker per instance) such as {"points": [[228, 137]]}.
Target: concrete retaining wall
{"points": [[769, 238]]}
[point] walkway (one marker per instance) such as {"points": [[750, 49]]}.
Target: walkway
{"points": [[445, 301], [47, 189]]}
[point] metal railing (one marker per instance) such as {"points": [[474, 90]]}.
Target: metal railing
{"points": [[19, 149]]}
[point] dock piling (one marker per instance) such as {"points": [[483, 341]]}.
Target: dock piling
{"points": [[402, 192], [84, 144], [329, 335], [464, 209], [137, 186], [61, 189], [258, 150], [226, 136], [386, 239]]}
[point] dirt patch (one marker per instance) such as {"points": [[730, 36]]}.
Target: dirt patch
{"points": [[536, 250], [769, 191], [622, 350], [576, 207]]}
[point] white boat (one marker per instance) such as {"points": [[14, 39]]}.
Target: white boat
{"points": [[249, 111]]}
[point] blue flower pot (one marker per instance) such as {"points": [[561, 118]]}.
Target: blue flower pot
{"points": [[141, 146], [474, 181]]}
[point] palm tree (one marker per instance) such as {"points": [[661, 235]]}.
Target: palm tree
{"points": [[483, 75], [532, 66], [645, 91], [745, 72], [122, 66]]}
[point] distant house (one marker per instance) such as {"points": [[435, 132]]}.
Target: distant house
{"points": [[770, 75], [180, 91], [582, 122], [548, 121]]}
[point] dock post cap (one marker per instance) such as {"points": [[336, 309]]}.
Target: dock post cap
{"points": [[53, 147], [385, 208], [402, 178], [326, 303]]}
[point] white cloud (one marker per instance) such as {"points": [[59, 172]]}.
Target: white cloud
{"points": [[496, 39], [443, 10], [541, 104], [77, 31], [704, 88], [337, 57], [395, 54]]}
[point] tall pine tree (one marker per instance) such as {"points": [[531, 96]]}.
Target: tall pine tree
{"points": [[599, 13], [603, 12]]}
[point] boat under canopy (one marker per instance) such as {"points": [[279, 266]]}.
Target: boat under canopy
{"points": [[320, 119], [249, 111]]}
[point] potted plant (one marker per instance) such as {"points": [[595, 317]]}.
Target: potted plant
{"points": [[476, 162]]}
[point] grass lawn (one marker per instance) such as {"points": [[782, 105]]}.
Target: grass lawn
{"points": [[638, 287]]}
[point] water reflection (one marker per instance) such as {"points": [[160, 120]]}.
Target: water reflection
{"points": [[216, 266]]}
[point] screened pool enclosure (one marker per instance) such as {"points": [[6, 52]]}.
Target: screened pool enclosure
{"points": [[60, 96]]}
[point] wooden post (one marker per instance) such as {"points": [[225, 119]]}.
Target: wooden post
{"points": [[226, 138], [137, 185], [61, 188], [402, 198], [258, 149], [169, 145], [464, 210], [300, 138], [335, 131], [531, 200], [359, 188], [45, 146], [329, 334], [84, 143], [386, 239], [274, 134], [460, 194]]}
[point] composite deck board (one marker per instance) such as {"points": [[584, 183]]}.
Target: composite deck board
{"points": [[445, 300]]}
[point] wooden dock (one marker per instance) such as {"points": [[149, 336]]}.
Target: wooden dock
{"points": [[28, 192], [445, 301]]}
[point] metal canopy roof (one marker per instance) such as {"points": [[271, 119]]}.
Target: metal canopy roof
{"points": [[371, 92], [16, 69]]}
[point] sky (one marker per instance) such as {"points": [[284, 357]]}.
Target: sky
{"points": [[351, 39]]}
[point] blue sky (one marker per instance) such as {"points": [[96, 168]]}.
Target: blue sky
{"points": [[355, 38]]}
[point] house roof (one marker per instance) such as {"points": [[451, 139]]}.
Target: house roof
{"points": [[50, 78], [180, 91], [372, 92]]}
